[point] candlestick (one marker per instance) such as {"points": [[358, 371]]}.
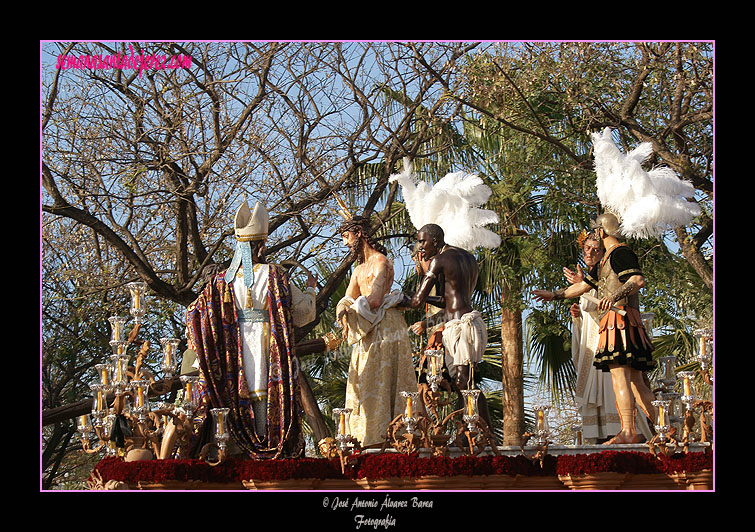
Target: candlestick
{"points": [[647, 322], [688, 391], [84, 424], [98, 401], [435, 375], [343, 438], [410, 418], [577, 429], [138, 303], [703, 355], [662, 426], [410, 397], [219, 416], [116, 328], [542, 419], [341, 415], [170, 360], [139, 385], [103, 370], [191, 397], [471, 416], [141, 408], [120, 373], [667, 377]]}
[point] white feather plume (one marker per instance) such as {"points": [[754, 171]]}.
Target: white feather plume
{"points": [[453, 203], [647, 202]]}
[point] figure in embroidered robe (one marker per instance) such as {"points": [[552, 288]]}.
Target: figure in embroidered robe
{"points": [[241, 328], [381, 365]]}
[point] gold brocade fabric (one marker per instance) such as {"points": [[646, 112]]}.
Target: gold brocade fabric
{"points": [[381, 368], [213, 333]]}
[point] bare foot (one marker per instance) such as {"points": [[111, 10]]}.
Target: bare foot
{"points": [[622, 438]]}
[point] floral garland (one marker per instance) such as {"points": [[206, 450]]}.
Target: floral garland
{"points": [[382, 466], [633, 462]]}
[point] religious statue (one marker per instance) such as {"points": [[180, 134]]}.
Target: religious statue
{"points": [[465, 335], [593, 389], [450, 225], [381, 364], [241, 328], [640, 204]]}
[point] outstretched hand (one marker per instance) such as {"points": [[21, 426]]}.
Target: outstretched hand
{"points": [[543, 295], [574, 277]]}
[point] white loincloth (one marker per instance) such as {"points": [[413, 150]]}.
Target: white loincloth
{"points": [[465, 340]]}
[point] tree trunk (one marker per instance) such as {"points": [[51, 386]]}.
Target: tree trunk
{"points": [[691, 251], [512, 362]]}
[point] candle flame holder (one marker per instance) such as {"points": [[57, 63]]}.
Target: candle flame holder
{"points": [[688, 391], [117, 335], [168, 428], [411, 414], [141, 406], [221, 436], [435, 367], [667, 375], [190, 402], [471, 414], [704, 352], [647, 322], [169, 364], [542, 428], [540, 435], [138, 290], [344, 445], [120, 373]]}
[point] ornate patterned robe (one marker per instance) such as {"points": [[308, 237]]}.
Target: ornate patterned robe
{"points": [[214, 333]]}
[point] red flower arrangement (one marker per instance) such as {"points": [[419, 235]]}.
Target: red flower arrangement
{"points": [[393, 465], [632, 462], [399, 465]]}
